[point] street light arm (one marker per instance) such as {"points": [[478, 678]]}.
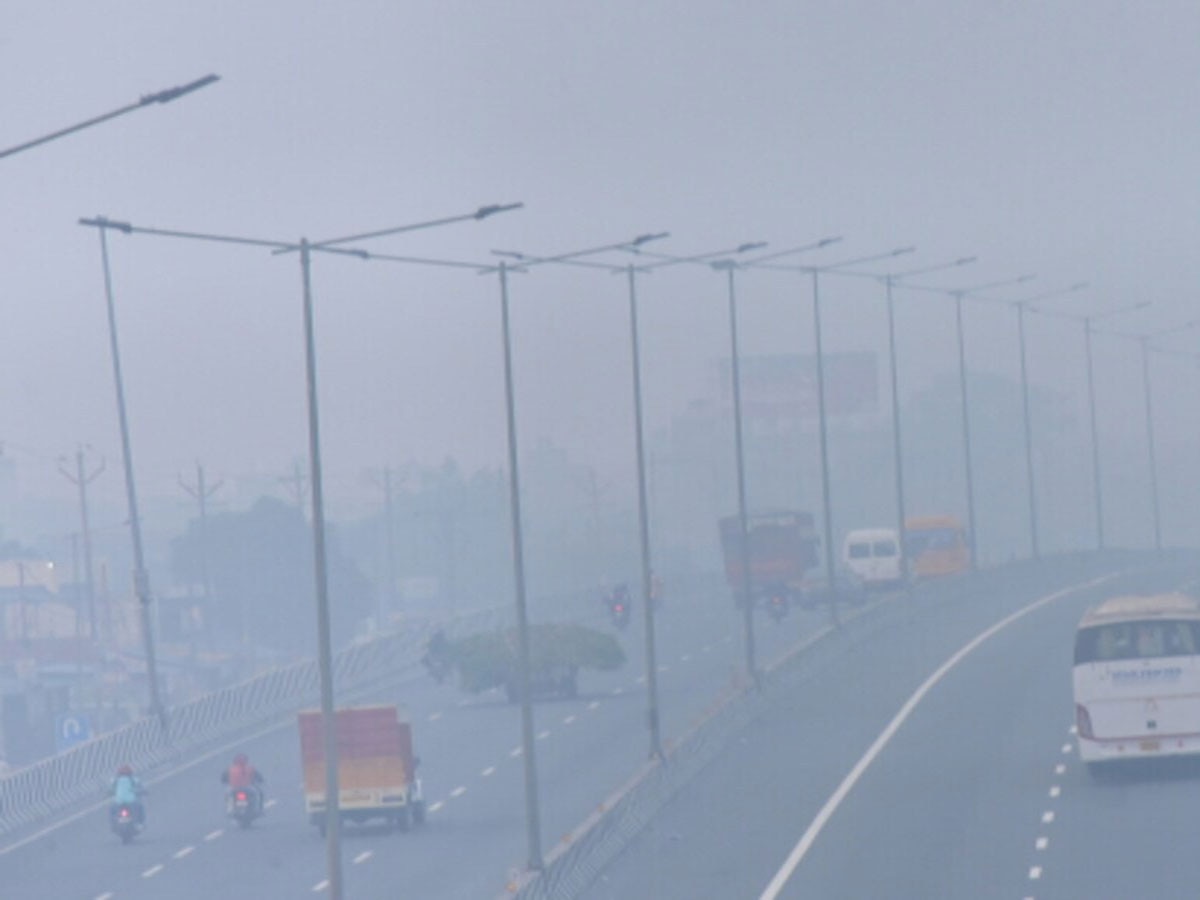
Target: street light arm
{"points": [[104, 223], [631, 245], [482, 213], [160, 97]]}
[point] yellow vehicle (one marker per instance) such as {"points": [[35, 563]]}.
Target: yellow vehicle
{"points": [[935, 546]]}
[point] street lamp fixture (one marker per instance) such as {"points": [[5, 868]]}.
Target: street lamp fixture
{"points": [[165, 96]]}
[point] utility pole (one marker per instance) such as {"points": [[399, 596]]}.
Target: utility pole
{"points": [[200, 493], [81, 479], [385, 602]]}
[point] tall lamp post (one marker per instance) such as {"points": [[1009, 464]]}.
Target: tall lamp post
{"points": [[1088, 330], [158, 97], [324, 647], [890, 280], [822, 420], [958, 294], [650, 648], [1031, 485], [729, 264]]}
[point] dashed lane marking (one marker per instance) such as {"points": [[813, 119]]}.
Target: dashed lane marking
{"points": [[107, 895], [489, 771], [1060, 769], [569, 720], [269, 803], [434, 807], [515, 752], [1041, 843], [213, 835], [1035, 872], [664, 668], [685, 657], [1066, 748], [320, 886], [458, 791], [1048, 817], [542, 735], [595, 704], [153, 870], [433, 717], [182, 852], [1055, 790], [617, 692], [363, 857]]}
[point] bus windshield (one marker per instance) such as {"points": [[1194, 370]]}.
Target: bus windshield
{"points": [[1137, 640], [918, 542]]}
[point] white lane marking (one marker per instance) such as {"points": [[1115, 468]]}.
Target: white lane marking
{"points": [[1048, 817], [1060, 769], [515, 752], [618, 691], [363, 857], [490, 770], [1035, 873], [826, 812], [641, 679], [1041, 843], [708, 648], [153, 870], [213, 835], [433, 717], [107, 895], [458, 791], [183, 851], [664, 668], [320, 886], [595, 704], [1066, 748], [434, 807], [542, 735], [269, 803], [1055, 790], [569, 720], [1072, 730], [685, 657]]}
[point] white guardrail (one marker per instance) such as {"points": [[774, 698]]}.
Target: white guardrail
{"points": [[82, 773]]}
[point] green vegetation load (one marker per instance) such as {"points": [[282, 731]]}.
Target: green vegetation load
{"points": [[489, 659]]}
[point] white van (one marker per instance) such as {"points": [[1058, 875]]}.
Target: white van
{"points": [[1137, 679], [873, 555]]}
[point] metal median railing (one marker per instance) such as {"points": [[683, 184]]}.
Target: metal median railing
{"points": [[58, 783]]}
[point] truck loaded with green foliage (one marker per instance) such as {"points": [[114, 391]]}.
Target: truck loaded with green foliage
{"points": [[557, 652]]}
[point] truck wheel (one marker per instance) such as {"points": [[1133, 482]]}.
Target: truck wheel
{"points": [[401, 821]]}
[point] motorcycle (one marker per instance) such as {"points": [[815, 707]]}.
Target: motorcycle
{"points": [[125, 822], [777, 605], [243, 806], [619, 612]]}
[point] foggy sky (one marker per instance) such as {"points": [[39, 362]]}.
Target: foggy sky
{"points": [[1057, 139]]}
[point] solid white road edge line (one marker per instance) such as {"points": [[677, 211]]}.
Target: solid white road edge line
{"points": [[826, 812]]}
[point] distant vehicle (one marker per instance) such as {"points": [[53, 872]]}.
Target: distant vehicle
{"points": [[1137, 679], [376, 767], [935, 546], [873, 554], [782, 547]]}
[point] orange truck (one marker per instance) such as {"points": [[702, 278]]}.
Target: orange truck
{"points": [[376, 767], [936, 546]]}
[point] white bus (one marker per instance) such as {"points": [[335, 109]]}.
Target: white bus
{"points": [[1137, 679]]}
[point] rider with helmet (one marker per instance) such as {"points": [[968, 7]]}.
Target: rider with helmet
{"points": [[127, 790], [241, 775]]}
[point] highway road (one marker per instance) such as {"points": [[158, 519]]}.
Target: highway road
{"points": [[976, 791], [471, 772]]}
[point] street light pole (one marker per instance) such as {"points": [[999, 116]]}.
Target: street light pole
{"points": [[141, 579], [1029, 478], [1097, 492], [826, 502], [532, 822], [1144, 343]]}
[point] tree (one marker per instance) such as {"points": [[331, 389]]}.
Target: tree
{"points": [[260, 564]]}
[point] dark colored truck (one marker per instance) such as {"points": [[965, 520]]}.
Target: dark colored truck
{"points": [[781, 546]]}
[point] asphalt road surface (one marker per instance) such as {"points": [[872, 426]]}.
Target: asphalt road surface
{"points": [[976, 792]]}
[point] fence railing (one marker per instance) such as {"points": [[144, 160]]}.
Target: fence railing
{"points": [[60, 782]]}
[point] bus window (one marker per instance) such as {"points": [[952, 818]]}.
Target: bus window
{"points": [[1136, 640]]}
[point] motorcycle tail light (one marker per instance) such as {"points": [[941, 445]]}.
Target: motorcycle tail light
{"points": [[241, 795]]}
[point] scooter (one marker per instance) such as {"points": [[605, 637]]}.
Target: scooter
{"points": [[125, 822], [243, 806], [619, 611], [777, 605]]}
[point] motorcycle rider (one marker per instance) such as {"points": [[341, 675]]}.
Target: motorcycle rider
{"points": [[241, 775], [127, 790]]}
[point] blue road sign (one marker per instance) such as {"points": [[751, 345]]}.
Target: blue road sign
{"points": [[71, 729]]}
